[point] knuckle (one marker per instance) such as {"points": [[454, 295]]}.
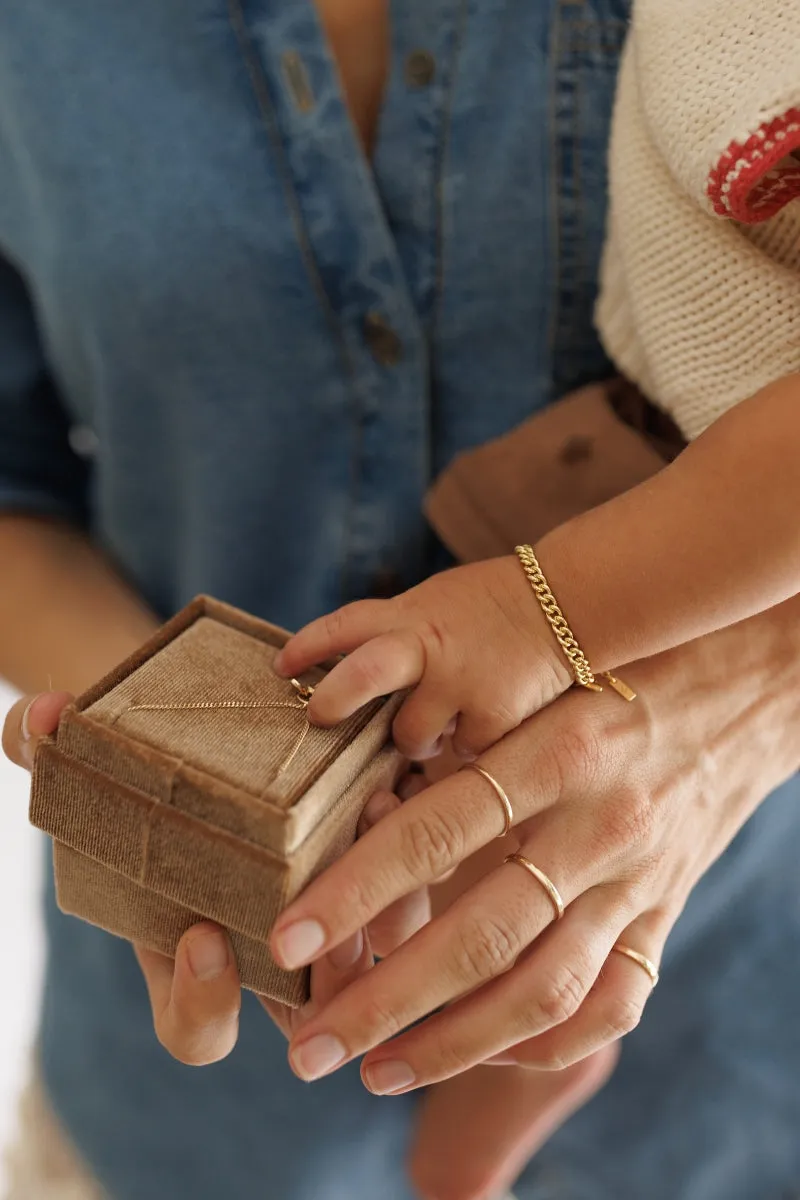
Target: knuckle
{"points": [[367, 670], [629, 819], [577, 753], [446, 1055], [622, 1014], [358, 900], [477, 732], [335, 622], [378, 1021], [487, 948], [560, 997], [434, 842], [432, 637]]}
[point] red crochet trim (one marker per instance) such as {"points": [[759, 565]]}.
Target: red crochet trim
{"points": [[747, 183]]}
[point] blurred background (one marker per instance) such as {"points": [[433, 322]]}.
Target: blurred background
{"points": [[20, 935]]}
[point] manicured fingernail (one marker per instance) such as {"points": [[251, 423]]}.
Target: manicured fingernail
{"points": [[208, 956], [318, 1056], [297, 944], [385, 1078], [379, 807], [348, 954]]}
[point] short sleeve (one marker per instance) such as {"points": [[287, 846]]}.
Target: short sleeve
{"points": [[719, 89], [39, 472]]}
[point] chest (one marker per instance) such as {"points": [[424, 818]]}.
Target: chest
{"points": [[188, 197], [358, 33]]}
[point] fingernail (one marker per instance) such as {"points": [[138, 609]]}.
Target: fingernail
{"points": [[379, 807], [25, 734], [431, 751], [297, 944], [277, 662], [348, 954], [25, 729], [208, 956], [385, 1078], [318, 1056]]}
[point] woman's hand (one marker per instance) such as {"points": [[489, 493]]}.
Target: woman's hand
{"points": [[623, 806], [472, 643], [196, 997]]}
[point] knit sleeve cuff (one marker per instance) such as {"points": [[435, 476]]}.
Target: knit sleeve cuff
{"points": [[756, 177]]}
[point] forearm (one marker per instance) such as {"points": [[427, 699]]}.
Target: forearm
{"points": [[708, 542], [65, 616]]}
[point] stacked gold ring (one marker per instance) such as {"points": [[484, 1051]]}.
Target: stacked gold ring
{"points": [[641, 960], [540, 877], [508, 811]]}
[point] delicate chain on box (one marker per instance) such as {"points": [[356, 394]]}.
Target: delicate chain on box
{"points": [[304, 692]]}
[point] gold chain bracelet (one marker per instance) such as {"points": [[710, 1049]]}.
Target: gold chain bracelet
{"points": [[584, 675]]}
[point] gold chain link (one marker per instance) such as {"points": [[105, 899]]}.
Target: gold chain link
{"points": [[584, 675]]}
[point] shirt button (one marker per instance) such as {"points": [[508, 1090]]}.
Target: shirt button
{"points": [[386, 347], [420, 69]]}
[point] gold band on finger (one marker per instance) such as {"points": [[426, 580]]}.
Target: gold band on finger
{"points": [[641, 960], [508, 811], [544, 880]]}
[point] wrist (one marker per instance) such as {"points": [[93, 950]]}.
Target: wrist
{"points": [[527, 615], [571, 578]]}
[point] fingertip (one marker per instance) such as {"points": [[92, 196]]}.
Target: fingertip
{"points": [[29, 719], [41, 716], [208, 953], [320, 715], [200, 1023], [378, 807]]}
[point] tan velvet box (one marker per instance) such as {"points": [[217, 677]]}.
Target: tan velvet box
{"points": [[188, 784]]}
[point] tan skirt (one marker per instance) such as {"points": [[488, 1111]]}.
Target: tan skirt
{"points": [[41, 1164]]}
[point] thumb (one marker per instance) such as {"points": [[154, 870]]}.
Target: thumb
{"points": [[28, 721]]}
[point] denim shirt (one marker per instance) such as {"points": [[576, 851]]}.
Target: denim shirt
{"points": [[239, 354]]}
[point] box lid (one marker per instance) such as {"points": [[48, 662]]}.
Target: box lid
{"points": [[199, 720]]}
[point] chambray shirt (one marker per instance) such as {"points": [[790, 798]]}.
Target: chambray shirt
{"points": [[238, 355]]}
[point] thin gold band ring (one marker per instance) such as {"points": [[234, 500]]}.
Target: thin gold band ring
{"points": [[641, 960], [508, 811], [545, 880]]}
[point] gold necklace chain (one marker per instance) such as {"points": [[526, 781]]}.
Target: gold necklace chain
{"points": [[304, 694]]}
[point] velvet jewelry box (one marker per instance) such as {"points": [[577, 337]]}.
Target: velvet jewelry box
{"points": [[188, 784]]}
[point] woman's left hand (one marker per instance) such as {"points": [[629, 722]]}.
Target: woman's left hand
{"points": [[623, 806]]}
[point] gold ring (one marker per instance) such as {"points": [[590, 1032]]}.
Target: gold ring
{"points": [[641, 960], [544, 880], [508, 812]]}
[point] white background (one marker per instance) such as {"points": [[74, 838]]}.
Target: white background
{"points": [[21, 855]]}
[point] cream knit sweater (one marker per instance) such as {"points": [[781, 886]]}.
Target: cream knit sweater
{"points": [[700, 284]]}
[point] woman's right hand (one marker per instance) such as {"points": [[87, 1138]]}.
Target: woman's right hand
{"points": [[196, 997]]}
